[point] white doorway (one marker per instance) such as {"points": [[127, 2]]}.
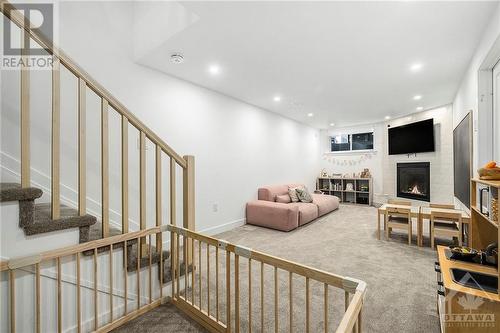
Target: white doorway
{"points": [[496, 112]]}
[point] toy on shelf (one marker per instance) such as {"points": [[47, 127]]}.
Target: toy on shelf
{"points": [[366, 173], [490, 171]]}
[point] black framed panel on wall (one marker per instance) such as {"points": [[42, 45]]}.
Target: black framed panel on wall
{"points": [[462, 159]]}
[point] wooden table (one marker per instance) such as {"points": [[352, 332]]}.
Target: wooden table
{"points": [[420, 213]]}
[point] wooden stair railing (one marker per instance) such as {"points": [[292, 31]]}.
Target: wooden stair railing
{"points": [[85, 81], [219, 272], [200, 296]]}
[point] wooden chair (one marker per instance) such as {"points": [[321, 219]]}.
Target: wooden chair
{"points": [[446, 224], [399, 202], [443, 206], [398, 218]]}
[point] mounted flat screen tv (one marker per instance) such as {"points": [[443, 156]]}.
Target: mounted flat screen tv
{"points": [[412, 138]]}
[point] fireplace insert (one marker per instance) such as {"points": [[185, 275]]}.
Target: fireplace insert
{"points": [[413, 181]]}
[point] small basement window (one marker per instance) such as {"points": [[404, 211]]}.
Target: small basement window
{"points": [[352, 142]]}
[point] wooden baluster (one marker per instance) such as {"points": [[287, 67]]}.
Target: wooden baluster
{"points": [[124, 175], [249, 295], [158, 193], [262, 297], [177, 268], [228, 291], [290, 296], [12, 294], [138, 268], [37, 298], [189, 199], [125, 280], [360, 322], [217, 283], [105, 168], [78, 295], [208, 279], [185, 251], [237, 293], [276, 307], [326, 307], [192, 275], [173, 217], [142, 191], [159, 236], [96, 299], [59, 296], [308, 306], [161, 266], [82, 150], [199, 272], [111, 283], [56, 133], [25, 113], [150, 270]]}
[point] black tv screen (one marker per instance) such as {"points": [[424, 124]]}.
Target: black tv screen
{"points": [[412, 138]]}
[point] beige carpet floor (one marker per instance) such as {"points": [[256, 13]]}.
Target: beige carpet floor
{"points": [[401, 294]]}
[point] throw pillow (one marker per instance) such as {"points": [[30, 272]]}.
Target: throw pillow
{"points": [[293, 193], [304, 195], [285, 198]]}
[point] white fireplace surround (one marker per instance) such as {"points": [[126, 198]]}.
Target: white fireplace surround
{"points": [[383, 166]]}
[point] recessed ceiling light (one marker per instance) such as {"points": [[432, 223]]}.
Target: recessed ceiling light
{"points": [[310, 114], [420, 108], [417, 97], [387, 117], [332, 124], [277, 98], [176, 58], [416, 67], [214, 69]]}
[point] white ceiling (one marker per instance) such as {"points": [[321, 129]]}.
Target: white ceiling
{"points": [[346, 62]]}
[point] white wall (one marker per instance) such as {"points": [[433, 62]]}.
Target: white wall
{"points": [[468, 96], [238, 147], [383, 166]]}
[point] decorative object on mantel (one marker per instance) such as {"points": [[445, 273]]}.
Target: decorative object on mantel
{"points": [[490, 171], [345, 162]]}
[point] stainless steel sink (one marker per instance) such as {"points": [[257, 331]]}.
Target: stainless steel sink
{"points": [[475, 280]]}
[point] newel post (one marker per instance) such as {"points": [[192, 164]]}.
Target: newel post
{"points": [[189, 202]]}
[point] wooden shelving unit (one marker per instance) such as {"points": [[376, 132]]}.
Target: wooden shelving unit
{"points": [[484, 226], [361, 193]]}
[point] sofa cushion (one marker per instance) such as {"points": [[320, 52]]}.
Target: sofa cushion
{"points": [[326, 203], [304, 195], [273, 215], [292, 192], [269, 193], [284, 198], [307, 211]]}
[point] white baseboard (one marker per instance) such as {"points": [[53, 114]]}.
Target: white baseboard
{"points": [[223, 227]]}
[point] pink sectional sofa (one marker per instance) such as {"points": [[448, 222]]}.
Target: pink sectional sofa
{"points": [[266, 212]]}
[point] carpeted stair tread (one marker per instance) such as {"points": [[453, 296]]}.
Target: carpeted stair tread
{"points": [[132, 257], [167, 272], [14, 192], [42, 220]]}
